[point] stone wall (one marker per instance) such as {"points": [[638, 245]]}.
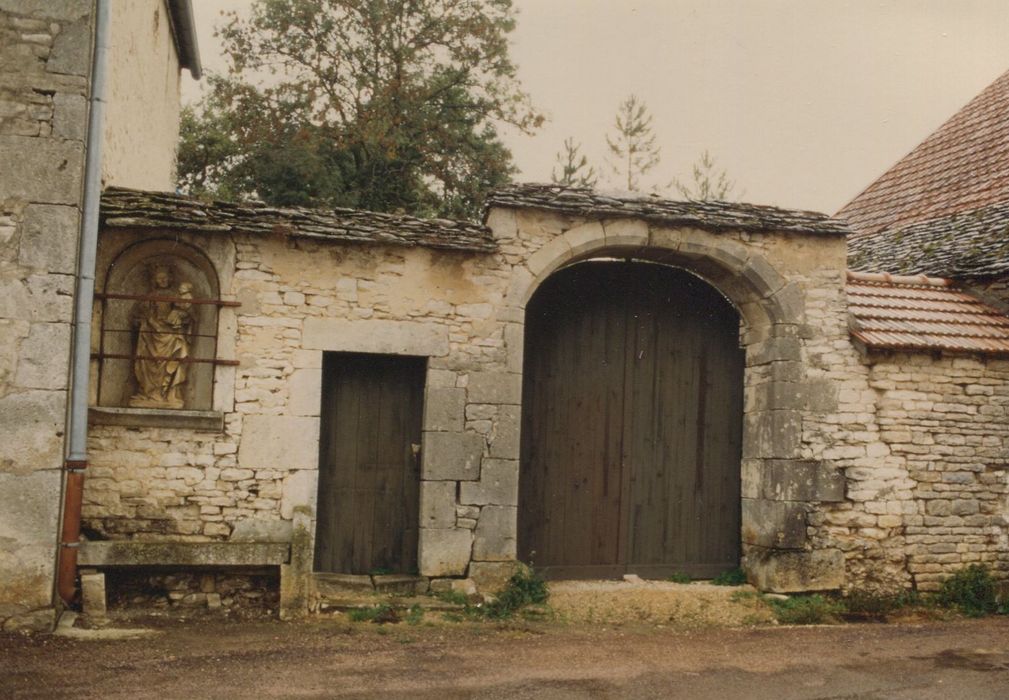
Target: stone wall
{"points": [[936, 497], [465, 313], [45, 53]]}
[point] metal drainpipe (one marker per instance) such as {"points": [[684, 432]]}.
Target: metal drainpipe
{"points": [[77, 453]]}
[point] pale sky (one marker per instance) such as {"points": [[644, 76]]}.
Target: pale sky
{"points": [[804, 102]]}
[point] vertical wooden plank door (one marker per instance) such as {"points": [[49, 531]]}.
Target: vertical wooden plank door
{"points": [[632, 424], [369, 470]]}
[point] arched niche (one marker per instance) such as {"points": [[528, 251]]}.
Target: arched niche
{"points": [[129, 293]]}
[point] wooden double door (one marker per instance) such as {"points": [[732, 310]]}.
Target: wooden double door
{"points": [[369, 464], [632, 424]]}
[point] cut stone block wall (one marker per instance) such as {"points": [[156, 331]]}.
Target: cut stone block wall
{"points": [[45, 52]]}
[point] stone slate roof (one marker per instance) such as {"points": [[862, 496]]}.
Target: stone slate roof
{"points": [[124, 208], [921, 314], [712, 216], [966, 244], [963, 166]]}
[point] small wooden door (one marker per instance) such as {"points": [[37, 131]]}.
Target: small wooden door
{"points": [[632, 424], [369, 464]]}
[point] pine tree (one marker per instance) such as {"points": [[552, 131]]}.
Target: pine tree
{"points": [[574, 167], [633, 145], [708, 182]]}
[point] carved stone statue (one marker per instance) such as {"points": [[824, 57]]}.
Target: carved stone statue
{"points": [[163, 331]]}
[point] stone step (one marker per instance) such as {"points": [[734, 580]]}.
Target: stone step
{"points": [[337, 585]]}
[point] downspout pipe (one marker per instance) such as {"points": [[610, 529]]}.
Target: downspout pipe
{"points": [[77, 448]]}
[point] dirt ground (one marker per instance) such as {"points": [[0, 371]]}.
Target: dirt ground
{"points": [[210, 657]]}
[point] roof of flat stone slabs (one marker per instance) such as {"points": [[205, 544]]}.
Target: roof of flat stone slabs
{"points": [[966, 244], [708, 215], [922, 314], [125, 208], [961, 167]]}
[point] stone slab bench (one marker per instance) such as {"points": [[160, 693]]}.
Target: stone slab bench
{"points": [[117, 553], [127, 553]]}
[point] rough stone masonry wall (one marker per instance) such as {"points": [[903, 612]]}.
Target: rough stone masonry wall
{"points": [[45, 51], [297, 298], [945, 423]]}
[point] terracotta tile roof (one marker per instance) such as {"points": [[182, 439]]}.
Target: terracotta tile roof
{"points": [[707, 215], [963, 166], [921, 314], [124, 208], [966, 244]]}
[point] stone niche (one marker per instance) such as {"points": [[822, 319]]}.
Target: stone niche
{"points": [[147, 291]]}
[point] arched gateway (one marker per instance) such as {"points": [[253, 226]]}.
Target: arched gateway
{"points": [[632, 424]]}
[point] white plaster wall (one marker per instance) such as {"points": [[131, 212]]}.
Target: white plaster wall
{"points": [[142, 115]]}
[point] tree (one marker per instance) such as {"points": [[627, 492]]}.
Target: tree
{"points": [[708, 182], [389, 105], [574, 167], [633, 145]]}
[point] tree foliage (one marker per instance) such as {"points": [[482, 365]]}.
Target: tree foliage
{"points": [[632, 146], [390, 105], [707, 181], [574, 169]]}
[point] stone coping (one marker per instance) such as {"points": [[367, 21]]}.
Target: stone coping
{"points": [[126, 208], [132, 553], [212, 421], [705, 215]]}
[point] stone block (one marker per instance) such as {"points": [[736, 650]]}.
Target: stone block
{"points": [[801, 480], [41, 620], [495, 536], [376, 336], [585, 237], [774, 524], [491, 576], [31, 423], [763, 279], [93, 595], [626, 233], [49, 238], [42, 170], [50, 9], [29, 514], [70, 116], [437, 504], [444, 409], [261, 530], [444, 551], [50, 298], [494, 387], [71, 50], [279, 442], [43, 357], [790, 303], [549, 256], [299, 491], [506, 435], [770, 396], [796, 572], [773, 349], [452, 456], [773, 434], [514, 337], [305, 387], [498, 485]]}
